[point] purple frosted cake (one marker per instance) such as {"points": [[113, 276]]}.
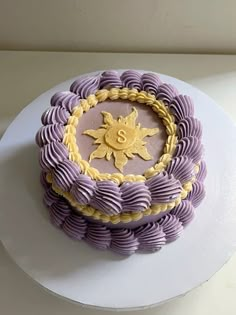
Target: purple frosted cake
{"points": [[121, 160]]}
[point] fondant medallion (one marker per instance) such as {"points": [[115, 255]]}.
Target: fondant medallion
{"points": [[121, 138]]}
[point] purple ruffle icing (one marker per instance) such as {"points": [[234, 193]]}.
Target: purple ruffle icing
{"points": [[191, 147], [172, 227], [51, 155], [82, 189], [201, 175], [67, 100], [98, 236], [163, 188], [106, 197], [85, 86], [150, 83], [124, 241], [75, 226], [43, 180], [189, 126], [181, 107], [184, 211], [150, 237], [49, 133], [131, 79], [166, 92], [110, 79], [55, 115], [197, 194], [135, 196], [59, 212], [182, 168], [50, 197], [65, 173]]}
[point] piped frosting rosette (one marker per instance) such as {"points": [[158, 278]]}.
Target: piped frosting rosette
{"points": [[168, 192], [149, 237]]}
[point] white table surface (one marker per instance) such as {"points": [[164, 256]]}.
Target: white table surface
{"points": [[24, 76]]}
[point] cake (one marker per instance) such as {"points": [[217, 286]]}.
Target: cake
{"points": [[121, 160]]}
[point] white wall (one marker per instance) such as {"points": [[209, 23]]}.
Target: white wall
{"points": [[119, 25]]}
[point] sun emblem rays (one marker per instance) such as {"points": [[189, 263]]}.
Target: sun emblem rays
{"points": [[122, 138]]}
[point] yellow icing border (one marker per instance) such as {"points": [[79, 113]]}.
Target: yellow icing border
{"points": [[124, 217], [133, 95]]}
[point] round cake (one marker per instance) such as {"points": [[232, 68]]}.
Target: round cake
{"points": [[121, 160]]}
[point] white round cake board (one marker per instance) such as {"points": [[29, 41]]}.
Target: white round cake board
{"points": [[103, 279]]}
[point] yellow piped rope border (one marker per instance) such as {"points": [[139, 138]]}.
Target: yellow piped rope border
{"points": [[124, 217], [133, 95]]}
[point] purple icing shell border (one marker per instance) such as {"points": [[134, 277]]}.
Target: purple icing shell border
{"points": [[66, 174], [149, 237]]}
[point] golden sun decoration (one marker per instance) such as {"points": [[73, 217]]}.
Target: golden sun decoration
{"points": [[121, 138]]}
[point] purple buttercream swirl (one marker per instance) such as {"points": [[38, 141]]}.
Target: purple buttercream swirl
{"points": [[82, 189], [98, 236], [65, 173], [150, 237], [172, 227], [75, 226], [52, 154], [166, 92], [189, 126], [201, 175], [184, 211], [135, 196], [131, 79], [107, 197], [59, 212], [150, 83], [85, 86], [43, 180], [110, 79], [182, 168], [55, 115], [181, 107], [197, 194], [124, 241], [50, 197], [191, 147], [163, 188], [49, 133], [67, 100]]}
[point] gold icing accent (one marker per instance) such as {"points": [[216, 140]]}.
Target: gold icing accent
{"points": [[197, 168], [121, 138], [113, 94]]}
